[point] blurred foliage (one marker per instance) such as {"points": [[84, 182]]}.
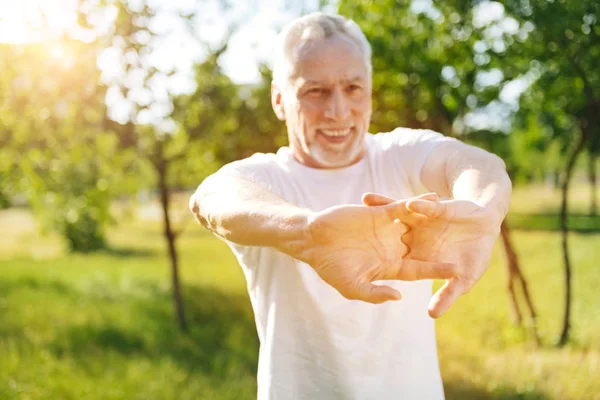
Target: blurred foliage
{"points": [[207, 123], [217, 122], [431, 70], [436, 65], [560, 57], [260, 129], [423, 69], [56, 145]]}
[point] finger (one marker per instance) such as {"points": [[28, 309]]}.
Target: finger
{"points": [[429, 208], [375, 199], [415, 270], [398, 211], [428, 196], [377, 294], [443, 299]]}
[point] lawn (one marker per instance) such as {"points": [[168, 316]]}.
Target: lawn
{"points": [[101, 326]]}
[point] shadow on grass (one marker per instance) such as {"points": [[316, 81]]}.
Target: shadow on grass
{"points": [[551, 222], [461, 391], [221, 341], [30, 283], [125, 252]]}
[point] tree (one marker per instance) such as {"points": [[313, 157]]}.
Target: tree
{"points": [[594, 150], [565, 100], [180, 147], [54, 144], [206, 117]]}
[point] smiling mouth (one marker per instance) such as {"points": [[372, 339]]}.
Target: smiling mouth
{"points": [[336, 135]]}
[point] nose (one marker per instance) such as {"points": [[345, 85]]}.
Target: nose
{"points": [[337, 108]]}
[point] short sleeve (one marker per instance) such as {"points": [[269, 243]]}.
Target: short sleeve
{"points": [[259, 168], [409, 149], [264, 170]]}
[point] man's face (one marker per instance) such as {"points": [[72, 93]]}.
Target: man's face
{"points": [[326, 103]]}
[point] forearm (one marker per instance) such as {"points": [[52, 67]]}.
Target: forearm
{"points": [[465, 172], [245, 213]]}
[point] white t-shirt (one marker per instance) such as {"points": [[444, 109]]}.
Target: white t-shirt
{"points": [[314, 343]]}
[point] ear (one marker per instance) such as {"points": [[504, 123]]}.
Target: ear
{"points": [[277, 101]]}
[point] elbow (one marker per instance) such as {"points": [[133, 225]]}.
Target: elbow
{"points": [[499, 165], [495, 168], [195, 209], [196, 204], [498, 162]]}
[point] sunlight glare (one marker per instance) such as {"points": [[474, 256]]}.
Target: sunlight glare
{"points": [[28, 21], [57, 52]]}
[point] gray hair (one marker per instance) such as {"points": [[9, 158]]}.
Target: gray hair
{"points": [[313, 26]]}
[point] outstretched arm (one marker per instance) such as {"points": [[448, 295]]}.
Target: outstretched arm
{"points": [[243, 212], [481, 189], [348, 246]]}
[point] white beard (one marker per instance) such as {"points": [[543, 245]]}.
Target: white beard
{"points": [[324, 158]]}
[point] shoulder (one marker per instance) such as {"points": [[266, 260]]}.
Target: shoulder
{"points": [[255, 161], [408, 138], [267, 169], [407, 150]]}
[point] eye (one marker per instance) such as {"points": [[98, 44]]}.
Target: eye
{"points": [[353, 88], [315, 91]]}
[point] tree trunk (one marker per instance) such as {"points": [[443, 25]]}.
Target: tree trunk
{"points": [[557, 178], [170, 236], [514, 275], [592, 177], [512, 264], [564, 336]]}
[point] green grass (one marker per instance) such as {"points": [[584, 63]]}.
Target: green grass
{"points": [[101, 326], [536, 207]]}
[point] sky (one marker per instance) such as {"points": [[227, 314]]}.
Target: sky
{"points": [[257, 23]]}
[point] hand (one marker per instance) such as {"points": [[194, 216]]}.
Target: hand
{"points": [[456, 231], [351, 246]]}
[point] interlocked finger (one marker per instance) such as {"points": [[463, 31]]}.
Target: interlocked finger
{"points": [[460, 211], [428, 208], [398, 211]]}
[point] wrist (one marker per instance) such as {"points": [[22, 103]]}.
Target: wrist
{"points": [[498, 203], [294, 240], [494, 197]]}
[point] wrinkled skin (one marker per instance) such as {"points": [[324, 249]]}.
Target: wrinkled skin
{"points": [[351, 246], [456, 231]]}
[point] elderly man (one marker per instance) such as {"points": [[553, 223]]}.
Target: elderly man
{"points": [[333, 227]]}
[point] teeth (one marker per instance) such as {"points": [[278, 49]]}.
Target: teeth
{"points": [[336, 132]]}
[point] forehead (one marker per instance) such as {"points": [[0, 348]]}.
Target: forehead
{"points": [[328, 60]]}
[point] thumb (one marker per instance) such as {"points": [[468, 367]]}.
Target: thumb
{"points": [[445, 297]]}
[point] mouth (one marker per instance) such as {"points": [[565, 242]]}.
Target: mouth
{"points": [[335, 135]]}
